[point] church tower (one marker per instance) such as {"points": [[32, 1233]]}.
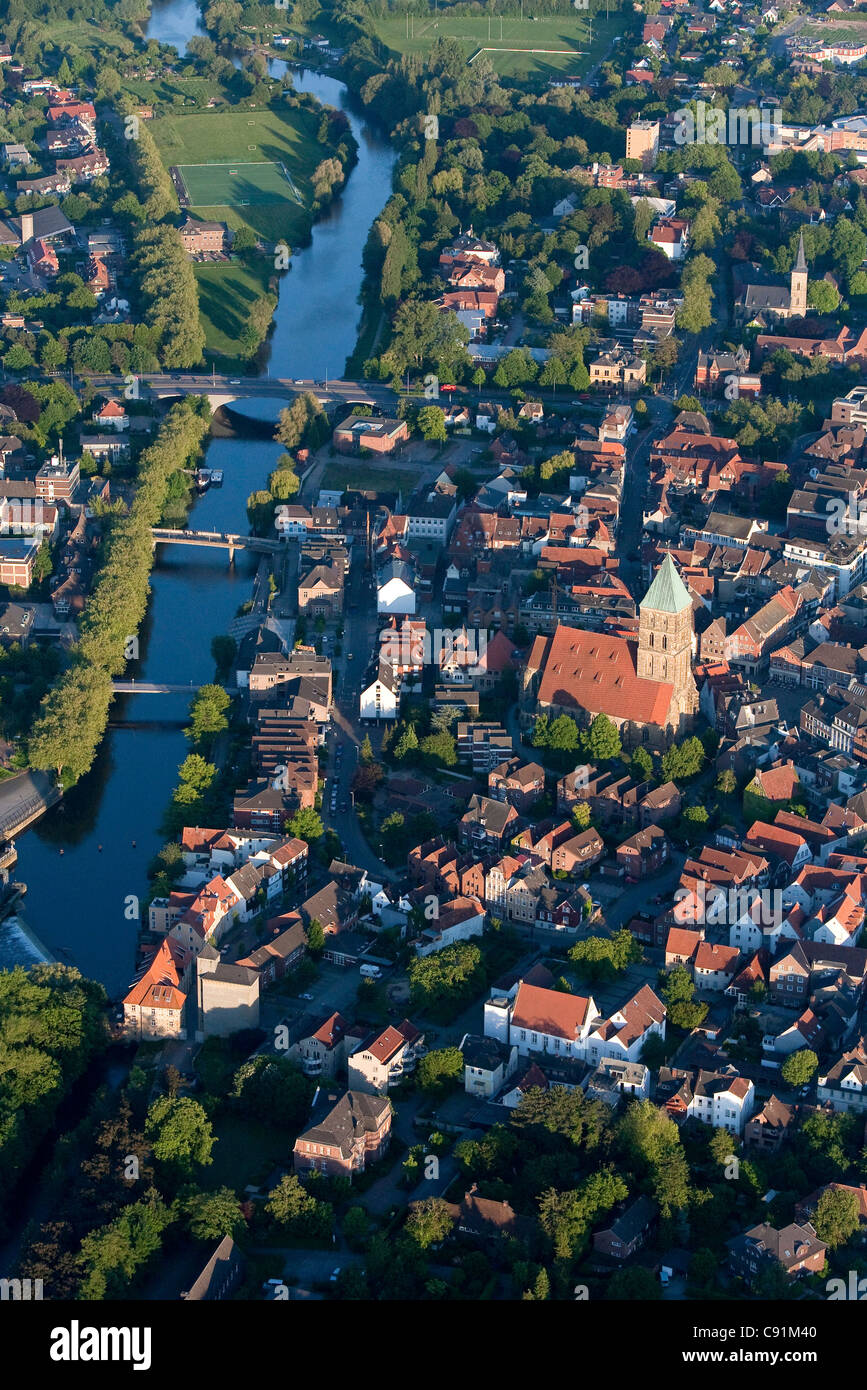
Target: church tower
{"points": [[665, 636], [798, 291]]}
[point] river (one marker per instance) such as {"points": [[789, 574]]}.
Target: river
{"points": [[82, 861]]}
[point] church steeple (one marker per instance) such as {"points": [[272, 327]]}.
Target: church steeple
{"points": [[665, 630], [798, 283], [801, 262]]}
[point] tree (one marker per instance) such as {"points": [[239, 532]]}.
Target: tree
{"points": [[581, 815], [212, 1215], [180, 1132], [297, 1211], [604, 957], [821, 296], [440, 1069], [601, 741], [208, 713], [799, 1067], [111, 1256], [652, 1142], [306, 824], [356, 1227], [836, 1217], [429, 1222], [366, 755], [224, 649], [431, 423], [683, 760], [641, 765], [273, 1090], [727, 782], [678, 992], [316, 937]]}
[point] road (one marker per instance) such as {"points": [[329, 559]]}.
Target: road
{"points": [[23, 799]]}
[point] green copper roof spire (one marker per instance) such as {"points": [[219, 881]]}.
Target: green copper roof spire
{"points": [[667, 593]]}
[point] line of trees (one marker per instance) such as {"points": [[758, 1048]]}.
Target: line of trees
{"points": [[74, 714]]}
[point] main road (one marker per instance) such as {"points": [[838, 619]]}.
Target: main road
{"points": [[222, 389]]}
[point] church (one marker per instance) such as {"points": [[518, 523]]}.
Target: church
{"points": [[766, 304], [645, 687]]}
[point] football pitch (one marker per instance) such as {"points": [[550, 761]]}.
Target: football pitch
{"points": [[238, 184], [515, 47]]}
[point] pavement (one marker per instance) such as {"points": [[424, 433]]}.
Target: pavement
{"points": [[24, 798]]}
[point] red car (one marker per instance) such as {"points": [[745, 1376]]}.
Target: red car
{"points": [[448, 388]]}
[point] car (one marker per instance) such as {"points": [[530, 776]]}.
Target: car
{"points": [[236, 381], [350, 656], [272, 1284], [334, 1275], [308, 997]]}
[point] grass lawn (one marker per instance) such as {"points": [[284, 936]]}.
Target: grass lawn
{"points": [[356, 473], [85, 34], [245, 1152], [174, 91], [561, 42], [262, 199], [227, 290]]}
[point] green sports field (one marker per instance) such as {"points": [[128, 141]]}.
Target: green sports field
{"points": [[237, 184], [245, 167], [515, 47]]}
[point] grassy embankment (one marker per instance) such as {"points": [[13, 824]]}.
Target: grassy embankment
{"points": [[227, 289]]}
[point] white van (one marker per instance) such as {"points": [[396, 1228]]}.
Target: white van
{"points": [[370, 972]]}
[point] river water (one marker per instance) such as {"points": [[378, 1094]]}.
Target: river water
{"points": [[82, 861]]}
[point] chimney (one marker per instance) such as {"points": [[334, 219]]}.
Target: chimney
{"points": [[26, 227]]}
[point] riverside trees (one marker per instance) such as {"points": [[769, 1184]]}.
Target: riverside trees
{"points": [[74, 714]]}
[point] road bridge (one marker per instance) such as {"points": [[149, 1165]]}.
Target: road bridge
{"points": [[218, 540]]}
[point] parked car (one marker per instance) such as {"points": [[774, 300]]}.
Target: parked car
{"points": [[308, 997]]}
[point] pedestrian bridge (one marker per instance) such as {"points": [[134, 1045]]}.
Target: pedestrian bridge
{"points": [[152, 688], [217, 540]]}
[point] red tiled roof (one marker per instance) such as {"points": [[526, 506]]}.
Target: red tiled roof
{"points": [[549, 1011], [597, 673]]}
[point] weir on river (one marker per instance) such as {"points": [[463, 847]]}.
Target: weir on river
{"points": [[108, 826]]}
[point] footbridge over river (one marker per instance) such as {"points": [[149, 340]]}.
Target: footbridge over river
{"points": [[218, 540]]}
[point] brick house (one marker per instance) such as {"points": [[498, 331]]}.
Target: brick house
{"points": [[373, 432], [643, 853], [520, 784], [197, 238], [578, 854], [767, 1129], [353, 1133], [628, 1231]]}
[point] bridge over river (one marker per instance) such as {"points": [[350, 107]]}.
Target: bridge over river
{"points": [[218, 540]]}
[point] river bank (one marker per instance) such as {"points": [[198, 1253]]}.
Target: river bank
{"points": [[107, 826]]}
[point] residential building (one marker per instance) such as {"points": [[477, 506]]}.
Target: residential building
{"points": [[343, 1140]]}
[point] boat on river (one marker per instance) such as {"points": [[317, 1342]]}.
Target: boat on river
{"points": [[203, 479], [216, 477]]}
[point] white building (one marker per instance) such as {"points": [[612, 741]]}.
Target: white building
{"points": [[381, 699], [395, 591]]}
